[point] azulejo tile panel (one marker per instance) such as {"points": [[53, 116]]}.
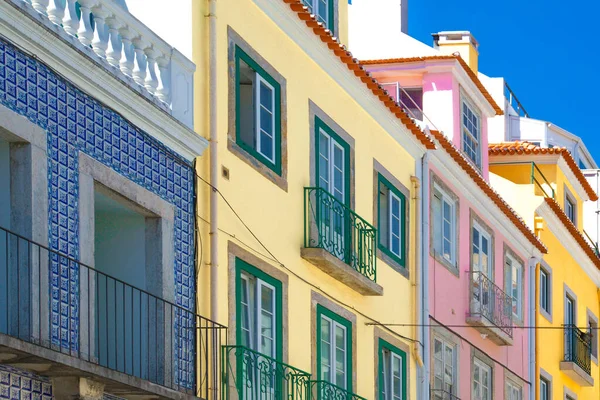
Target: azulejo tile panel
{"points": [[17, 384], [76, 122]]}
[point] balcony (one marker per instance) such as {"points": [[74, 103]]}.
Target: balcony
{"points": [[340, 242], [249, 375], [60, 318], [115, 41], [323, 390], [490, 309], [440, 394], [578, 356]]}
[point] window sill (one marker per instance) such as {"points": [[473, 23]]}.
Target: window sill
{"points": [[259, 166], [395, 265], [341, 271]]}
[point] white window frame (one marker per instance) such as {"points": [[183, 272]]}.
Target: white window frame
{"points": [[393, 197], [482, 366], [254, 307], [332, 350], [483, 233], [454, 364], [467, 103], [313, 7], [515, 264], [258, 130], [388, 358], [513, 391], [440, 219], [545, 388]]}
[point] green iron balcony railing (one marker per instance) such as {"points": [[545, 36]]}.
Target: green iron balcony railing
{"points": [[331, 225], [578, 348], [323, 390], [250, 375], [537, 178]]}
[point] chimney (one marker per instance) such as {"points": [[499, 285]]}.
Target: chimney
{"points": [[450, 42]]}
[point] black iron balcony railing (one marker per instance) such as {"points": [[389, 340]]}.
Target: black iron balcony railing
{"points": [[514, 102], [440, 394], [578, 348], [592, 243], [54, 301], [323, 390], [489, 301], [249, 375], [331, 225]]}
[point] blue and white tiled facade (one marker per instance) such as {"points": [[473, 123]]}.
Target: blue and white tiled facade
{"points": [[75, 122]]}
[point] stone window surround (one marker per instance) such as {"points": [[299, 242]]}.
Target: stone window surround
{"points": [[473, 217], [569, 394], [379, 169], [235, 251], [315, 111], [510, 252], [572, 199], [548, 270], [234, 39], [514, 380], [483, 358], [317, 298], [567, 291], [548, 378], [29, 203], [441, 333], [378, 334], [160, 240], [591, 317], [437, 181]]}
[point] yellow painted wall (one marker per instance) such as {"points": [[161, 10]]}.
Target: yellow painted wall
{"points": [[276, 216], [513, 183]]}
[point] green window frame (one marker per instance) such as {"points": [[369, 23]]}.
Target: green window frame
{"points": [[242, 270], [321, 126], [317, 10], [270, 114], [388, 351], [328, 315], [388, 194]]}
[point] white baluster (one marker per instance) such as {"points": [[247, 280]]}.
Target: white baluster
{"points": [[70, 22], [86, 32], [101, 37], [139, 68], [151, 82], [162, 91], [40, 6], [114, 49], [126, 63], [56, 11]]}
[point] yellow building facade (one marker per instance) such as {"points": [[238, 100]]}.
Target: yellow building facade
{"points": [[548, 190], [309, 244]]}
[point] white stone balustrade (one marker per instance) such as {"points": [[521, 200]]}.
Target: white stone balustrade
{"points": [[129, 47]]}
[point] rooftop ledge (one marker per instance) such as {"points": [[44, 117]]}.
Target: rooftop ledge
{"points": [[152, 80]]}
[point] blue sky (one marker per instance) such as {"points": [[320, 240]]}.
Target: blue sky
{"points": [[546, 49]]}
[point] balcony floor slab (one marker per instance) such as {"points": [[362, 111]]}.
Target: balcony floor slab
{"points": [[485, 327], [341, 271], [51, 363], [576, 373]]}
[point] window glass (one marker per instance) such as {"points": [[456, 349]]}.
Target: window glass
{"points": [[335, 355], [481, 249], [392, 373], [444, 227], [544, 290], [513, 392], [544, 389], [514, 285], [593, 332], [258, 315], [444, 368], [412, 100], [391, 220], [471, 133], [257, 112], [570, 209], [321, 10], [482, 379]]}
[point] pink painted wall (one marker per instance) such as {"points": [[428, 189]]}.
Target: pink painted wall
{"points": [[449, 305]]}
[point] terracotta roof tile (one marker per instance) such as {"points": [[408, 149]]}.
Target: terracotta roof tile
{"points": [[487, 189], [585, 246], [526, 148], [468, 70], [354, 65]]}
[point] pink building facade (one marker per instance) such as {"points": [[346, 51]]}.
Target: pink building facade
{"points": [[478, 290]]}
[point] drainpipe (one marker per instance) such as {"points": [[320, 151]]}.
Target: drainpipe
{"points": [[214, 237], [423, 285], [415, 277], [532, 317]]}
